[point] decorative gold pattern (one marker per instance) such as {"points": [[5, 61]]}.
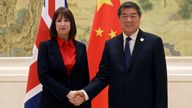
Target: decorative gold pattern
{"points": [[19, 20]]}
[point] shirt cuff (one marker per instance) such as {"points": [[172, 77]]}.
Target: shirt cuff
{"points": [[85, 94]]}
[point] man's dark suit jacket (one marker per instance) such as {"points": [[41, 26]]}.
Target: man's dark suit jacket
{"points": [[53, 76], [143, 84]]}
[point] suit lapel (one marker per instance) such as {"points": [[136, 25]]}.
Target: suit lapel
{"points": [[137, 48], [57, 54], [78, 54], [120, 49]]}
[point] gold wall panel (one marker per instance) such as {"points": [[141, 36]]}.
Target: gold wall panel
{"points": [[19, 21], [170, 19]]}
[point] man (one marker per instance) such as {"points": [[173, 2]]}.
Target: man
{"points": [[134, 68]]}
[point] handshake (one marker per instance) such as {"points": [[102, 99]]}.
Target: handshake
{"points": [[76, 97]]}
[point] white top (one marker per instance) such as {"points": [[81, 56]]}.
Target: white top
{"points": [[131, 42]]}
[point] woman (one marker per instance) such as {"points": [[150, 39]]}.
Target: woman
{"points": [[62, 63]]}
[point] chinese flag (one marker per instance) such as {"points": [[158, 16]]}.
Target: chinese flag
{"points": [[105, 26]]}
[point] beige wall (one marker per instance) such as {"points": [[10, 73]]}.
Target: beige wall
{"points": [[180, 94], [13, 77], [11, 93]]}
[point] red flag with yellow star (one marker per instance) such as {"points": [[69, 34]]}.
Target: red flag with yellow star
{"points": [[105, 26]]}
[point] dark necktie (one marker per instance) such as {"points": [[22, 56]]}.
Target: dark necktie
{"points": [[127, 52]]}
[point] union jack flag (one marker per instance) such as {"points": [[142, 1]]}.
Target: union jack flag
{"points": [[34, 87]]}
